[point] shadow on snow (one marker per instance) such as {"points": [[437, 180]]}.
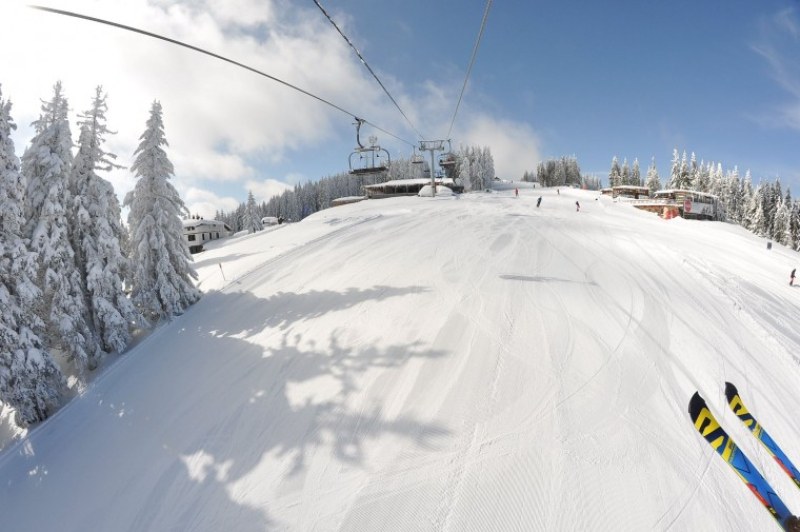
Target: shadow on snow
{"points": [[195, 414]]}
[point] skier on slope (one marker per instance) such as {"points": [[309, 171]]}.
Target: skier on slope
{"points": [[577, 206], [791, 277], [539, 201]]}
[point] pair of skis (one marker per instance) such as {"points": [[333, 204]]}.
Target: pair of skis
{"points": [[708, 426]]}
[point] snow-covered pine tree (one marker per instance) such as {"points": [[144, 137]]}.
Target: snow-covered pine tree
{"points": [[636, 174], [464, 169], [30, 381], [252, 221], [702, 177], [625, 175], [774, 194], [684, 179], [615, 174], [46, 165], [746, 195], [758, 222], [780, 226], [574, 176], [560, 177], [653, 179], [675, 170], [734, 197], [98, 233], [794, 226], [487, 165], [716, 179], [162, 270]]}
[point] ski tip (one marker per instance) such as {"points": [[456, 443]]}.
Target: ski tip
{"points": [[730, 391], [696, 404]]}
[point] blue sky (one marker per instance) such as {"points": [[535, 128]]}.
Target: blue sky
{"points": [[595, 80]]}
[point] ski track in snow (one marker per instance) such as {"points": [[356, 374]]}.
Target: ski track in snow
{"points": [[437, 364]]}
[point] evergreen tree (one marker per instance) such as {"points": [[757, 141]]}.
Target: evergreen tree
{"points": [[653, 180], [162, 274], [615, 174], [636, 174], [758, 222], [98, 234], [684, 180], [46, 165], [625, 177], [772, 198], [780, 227], [573, 171], [733, 196], [487, 165], [716, 180], [745, 198], [560, 177], [30, 381], [702, 177], [675, 171], [252, 221], [541, 173], [794, 226]]}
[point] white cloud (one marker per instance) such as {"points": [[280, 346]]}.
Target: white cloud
{"points": [[225, 125], [515, 145], [779, 46], [218, 118], [267, 189], [206, 203]]}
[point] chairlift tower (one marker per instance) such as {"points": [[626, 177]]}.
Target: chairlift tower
{"points": [[432, 146]]}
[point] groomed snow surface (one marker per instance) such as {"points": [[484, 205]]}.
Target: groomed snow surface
{"points": [[460, 363]]}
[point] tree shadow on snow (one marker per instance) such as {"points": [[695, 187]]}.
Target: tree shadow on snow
{"points": [[286, 308], [209, 430], [240, 417]]}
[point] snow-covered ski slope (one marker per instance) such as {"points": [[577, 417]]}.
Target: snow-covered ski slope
{"points": [[469, 363]]}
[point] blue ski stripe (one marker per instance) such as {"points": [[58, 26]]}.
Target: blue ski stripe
{"points": [[741, 411], [708, 426]]}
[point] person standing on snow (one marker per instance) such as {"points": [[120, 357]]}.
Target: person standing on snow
{"points": [[539, 201], [577, 206], [791, 277]]}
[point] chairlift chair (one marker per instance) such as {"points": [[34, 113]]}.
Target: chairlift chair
{"points": [[447, 159], [372, 159]]}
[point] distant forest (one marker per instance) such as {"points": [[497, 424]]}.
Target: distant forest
{"points": [[474, 169], [766, 209]]}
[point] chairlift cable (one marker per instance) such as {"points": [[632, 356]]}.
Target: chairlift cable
{"points": [[364, 62], [212, 54], [471, 63]]}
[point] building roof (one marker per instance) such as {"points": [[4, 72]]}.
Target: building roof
{"points": [[410, 182]]}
